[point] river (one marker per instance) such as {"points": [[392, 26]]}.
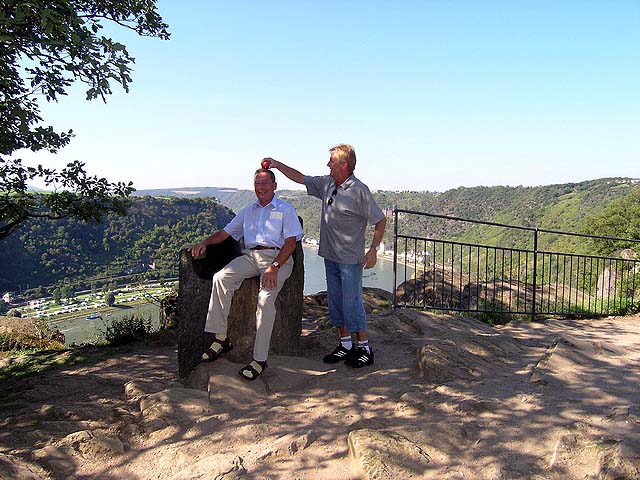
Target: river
{"points": [[80, 330]]}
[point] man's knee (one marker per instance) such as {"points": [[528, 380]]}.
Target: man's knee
{"points": [[266, 297]]}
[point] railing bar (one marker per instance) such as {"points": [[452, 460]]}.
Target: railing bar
{"points": [[452, 263], [584, 277], [460, 287], [433, 276], [486, 276], [555, 300], [442, 277], [495, 261], [551, 257], [622, 284], [395, 256], [526, 278], [502, 282], [469, 259], [564, 277], [570, 282], [596, 285], [542, 310], [424, 276], [633, 288], [595, 306], [615, 285], [415, 268], [518, 283], [405, 268], [609, 290]]}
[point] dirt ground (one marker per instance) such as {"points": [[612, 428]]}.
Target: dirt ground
{"points": [[447, 398]]}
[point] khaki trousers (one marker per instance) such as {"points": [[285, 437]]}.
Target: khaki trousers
{"points": [[225, 282]]}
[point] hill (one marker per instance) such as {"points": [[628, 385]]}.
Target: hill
{"points": [[563, 207], [144, 243]]}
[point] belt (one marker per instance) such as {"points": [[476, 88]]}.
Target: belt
{"points": [[261, 247]]}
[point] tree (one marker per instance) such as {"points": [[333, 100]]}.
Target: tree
{"points": [[67, 292], [57, 295], [110, 299], [46, 46], [621, 219]]}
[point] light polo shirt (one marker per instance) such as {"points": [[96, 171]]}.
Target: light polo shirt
{"points": [[268, 226], [343, 223]]}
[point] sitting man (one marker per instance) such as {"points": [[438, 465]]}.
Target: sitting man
{"points": [[270, 228]]}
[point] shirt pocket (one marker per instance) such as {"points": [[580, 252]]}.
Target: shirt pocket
{"points": [[273, 226]]}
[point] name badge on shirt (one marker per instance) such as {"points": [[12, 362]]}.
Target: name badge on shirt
{"points": [[276, 215]]}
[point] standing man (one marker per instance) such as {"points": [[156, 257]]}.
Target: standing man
{"points": [[270, 228], [347, 208]]}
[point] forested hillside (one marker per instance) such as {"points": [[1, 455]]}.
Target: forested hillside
{"points": [[145, 242], [563, 207]]}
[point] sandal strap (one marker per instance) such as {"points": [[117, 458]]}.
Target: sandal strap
{"points": [[217, 348], [217, 345]]}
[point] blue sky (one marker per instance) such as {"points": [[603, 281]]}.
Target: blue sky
{"points": [[433, 95]]}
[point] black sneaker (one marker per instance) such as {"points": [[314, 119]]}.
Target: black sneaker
{"points": [[339, 354], [360, 358]]}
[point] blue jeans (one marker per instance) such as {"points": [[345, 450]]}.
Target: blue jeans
{"points": [[344, 296]]}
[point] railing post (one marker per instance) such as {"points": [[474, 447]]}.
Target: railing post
{"points": [[535, 272], [395, 253]]}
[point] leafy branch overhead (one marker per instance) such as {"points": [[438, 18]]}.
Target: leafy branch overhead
{"points": [[45, 47]]}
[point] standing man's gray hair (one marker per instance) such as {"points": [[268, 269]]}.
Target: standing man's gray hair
{"points": [[345, 152]]}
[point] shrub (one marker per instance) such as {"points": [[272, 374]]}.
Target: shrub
{"points": [[129, 329], [30, 334]]}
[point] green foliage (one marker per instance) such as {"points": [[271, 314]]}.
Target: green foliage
{"points": [[46, 47], [91, 255], [562, 207], [621, 218], [110, 299], [129, 329]]}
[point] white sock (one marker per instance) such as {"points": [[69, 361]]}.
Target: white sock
{"points": [[346, 342], [364, 344]]}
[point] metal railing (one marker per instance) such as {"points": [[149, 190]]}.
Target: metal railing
{"points": [[461, 276]]}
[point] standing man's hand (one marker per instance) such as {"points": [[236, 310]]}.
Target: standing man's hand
{"points": [[270, 278], [290, 173], [269, 162], [370, 258]]}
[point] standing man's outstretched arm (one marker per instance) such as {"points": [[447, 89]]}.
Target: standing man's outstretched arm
{"points": [[290, 173]]}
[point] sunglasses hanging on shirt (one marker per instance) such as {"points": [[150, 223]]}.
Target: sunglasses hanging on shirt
{"points": [[333, 194]]}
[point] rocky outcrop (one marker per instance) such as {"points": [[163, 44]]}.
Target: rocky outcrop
{"points": [[386, 455]]}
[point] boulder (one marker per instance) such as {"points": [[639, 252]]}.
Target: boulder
{"points": [[386, 455]]}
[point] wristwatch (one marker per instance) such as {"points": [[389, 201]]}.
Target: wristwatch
{"points": [[275, 264]]}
